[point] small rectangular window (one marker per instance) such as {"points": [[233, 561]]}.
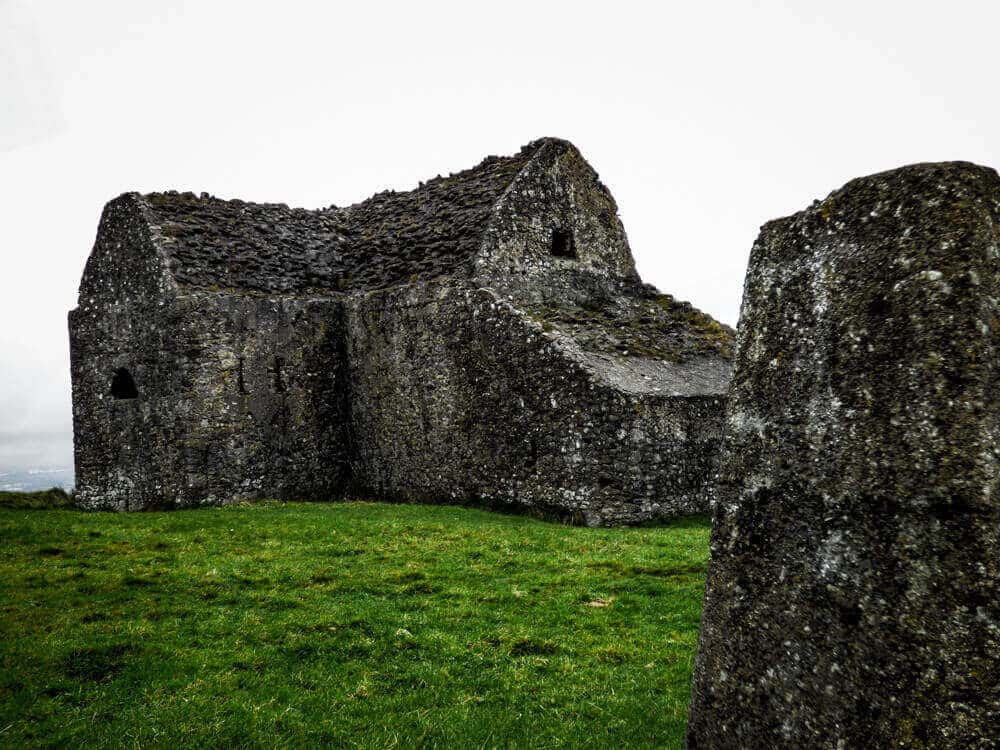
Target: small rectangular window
{"points": [[123, 386], [563, 244]]}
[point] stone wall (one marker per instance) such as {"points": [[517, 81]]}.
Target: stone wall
{"points": [[262, 399], [435, 392], [853, 595], [123, 447], [237, 397], [455, 395]]}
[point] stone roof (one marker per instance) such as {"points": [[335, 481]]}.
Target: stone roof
{"points": [[643, 341], [641, 322], [390, 238]]}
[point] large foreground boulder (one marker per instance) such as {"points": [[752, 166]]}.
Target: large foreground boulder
{"points": [[853, 596]]}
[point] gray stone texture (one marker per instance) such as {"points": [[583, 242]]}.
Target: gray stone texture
{"points": [[853, 595], [482, 339]]}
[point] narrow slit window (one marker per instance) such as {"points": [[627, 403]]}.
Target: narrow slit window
{"points": [[123, 385], [563, 244], [241, 378], [279, 376]]}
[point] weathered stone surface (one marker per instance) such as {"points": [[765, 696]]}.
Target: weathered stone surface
{"points": [[484, 339], [464, 398], [391, 238], [853, 596]]}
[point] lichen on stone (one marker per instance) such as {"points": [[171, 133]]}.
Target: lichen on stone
{"points": [[853, 595]]}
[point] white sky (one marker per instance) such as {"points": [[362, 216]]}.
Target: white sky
{"points": [[704, 119]]}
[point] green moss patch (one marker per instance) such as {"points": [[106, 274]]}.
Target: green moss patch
{"points": [[649, 324], [44, 500]]}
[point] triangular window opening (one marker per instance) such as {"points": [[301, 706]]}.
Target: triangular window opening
{"points": [[563, 244], [123, 385]]}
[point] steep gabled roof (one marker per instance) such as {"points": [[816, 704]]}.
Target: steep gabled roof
{"points": [[390, 238]]}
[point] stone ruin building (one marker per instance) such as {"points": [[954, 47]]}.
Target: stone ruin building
{"points": [[853, 596], [484, 338]]}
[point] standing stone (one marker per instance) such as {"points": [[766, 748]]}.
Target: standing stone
{"points": [[853, 596]]}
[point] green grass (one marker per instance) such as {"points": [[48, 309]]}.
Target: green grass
{"points": [[44, 500], [345, 625]]}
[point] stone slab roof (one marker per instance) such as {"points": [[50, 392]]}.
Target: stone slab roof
{"points": [[641, 323], [644, 341], [392, 237]]}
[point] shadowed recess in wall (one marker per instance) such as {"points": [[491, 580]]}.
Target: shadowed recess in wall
{"points": [[123, 385]]}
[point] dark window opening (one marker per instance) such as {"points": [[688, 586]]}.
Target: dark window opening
{"points": [[279, 380], [531, 459], [563, 244], [240, 381], [879, 308], [122, 385]]}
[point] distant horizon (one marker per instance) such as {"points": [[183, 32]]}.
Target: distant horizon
{"points": [[21, 452], [30, 480]]}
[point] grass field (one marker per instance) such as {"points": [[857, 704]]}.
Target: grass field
{"points": [[344, 625]]}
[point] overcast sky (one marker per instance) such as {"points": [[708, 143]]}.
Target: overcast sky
{"points": [[704, 119]]}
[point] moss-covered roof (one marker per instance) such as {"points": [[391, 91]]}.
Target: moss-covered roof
{"points": [[390, 238], [644, 324]]}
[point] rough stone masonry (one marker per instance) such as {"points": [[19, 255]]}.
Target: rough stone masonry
{"points": [[484, 338], [853, 595]]}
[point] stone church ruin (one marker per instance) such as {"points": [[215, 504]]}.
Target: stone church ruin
{"points": [[484, 338]]}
